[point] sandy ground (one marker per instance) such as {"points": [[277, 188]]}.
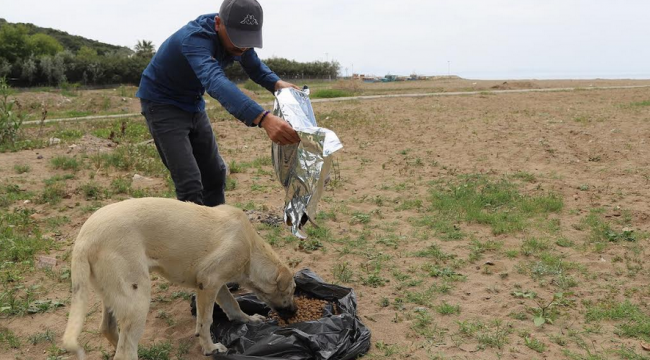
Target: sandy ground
{"points": [[589, 147]]}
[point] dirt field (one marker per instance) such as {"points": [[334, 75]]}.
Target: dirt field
{"points": [[487, 226]]}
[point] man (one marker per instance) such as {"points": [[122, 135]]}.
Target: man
{"points": [[189, 63]]}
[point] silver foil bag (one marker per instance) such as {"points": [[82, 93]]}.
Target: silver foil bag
{"points": [[302, 168]]}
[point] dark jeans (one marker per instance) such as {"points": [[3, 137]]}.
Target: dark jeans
{"points": [[187, 147]]}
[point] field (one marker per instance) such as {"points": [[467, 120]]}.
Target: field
{"points": [[479, 226]]}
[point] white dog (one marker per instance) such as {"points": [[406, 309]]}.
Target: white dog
{"points": [[191, 245]]}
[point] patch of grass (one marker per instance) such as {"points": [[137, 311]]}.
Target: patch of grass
{"points": [[163, 315], [551, 265], [534, 344], [68, 134], [374, 279], [121, 185], [534, 246], [58, 178], [329, 93], [75, 113], [628, 353], [423, 325], [638, 104], [235, 168], [359, 217], [601, 231], [447, 309], [390, 240], [524, 176], [11, 193], [388, 350], [143, 159], [20, 238], [66, 163], [91, 191], [496, 203], [634, 321], [46, 336], [343, 272], [231, 183], [423, 297], [433, 251], [52, 194], [21, 169], [444, 228], [159, 351], [469, 328], [478, 248], [409, 204], [9, 339], [564, 242], [495, 335]]}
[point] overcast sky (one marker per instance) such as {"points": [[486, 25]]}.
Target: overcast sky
{"points": [[479, 39]]}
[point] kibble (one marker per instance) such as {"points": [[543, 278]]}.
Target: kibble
{"points": [[308, 309]]}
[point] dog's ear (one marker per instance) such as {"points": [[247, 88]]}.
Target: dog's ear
{"points": [[284, 279]]}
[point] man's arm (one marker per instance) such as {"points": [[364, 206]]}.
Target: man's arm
{"points": [[214, 80]]}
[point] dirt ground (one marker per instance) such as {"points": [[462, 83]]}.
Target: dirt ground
{"points": [[588, 147]]}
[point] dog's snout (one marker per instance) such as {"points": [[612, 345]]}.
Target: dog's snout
{"points": [[287, 312]]}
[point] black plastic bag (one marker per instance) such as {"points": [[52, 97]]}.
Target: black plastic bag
{"points": [[332, 337]]}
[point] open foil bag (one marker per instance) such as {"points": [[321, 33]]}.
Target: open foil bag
{"points": [[302, 168]]}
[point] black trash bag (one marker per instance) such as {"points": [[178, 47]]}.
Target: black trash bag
{"points": [[332, 337]]}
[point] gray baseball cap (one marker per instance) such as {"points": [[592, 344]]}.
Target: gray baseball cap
{"points": [[243, 20]]}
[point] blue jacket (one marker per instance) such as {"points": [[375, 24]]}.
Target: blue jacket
{"points": [[191, 62]]}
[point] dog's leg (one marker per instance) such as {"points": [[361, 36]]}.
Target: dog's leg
{"points": [[109, 326], [231, 307], [131, 314], [204, 308]]}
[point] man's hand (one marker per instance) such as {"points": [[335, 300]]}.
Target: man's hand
{"points": [[281, 84], [279, 131]]}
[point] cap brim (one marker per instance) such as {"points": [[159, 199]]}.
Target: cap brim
{"points": [[245, 39]]}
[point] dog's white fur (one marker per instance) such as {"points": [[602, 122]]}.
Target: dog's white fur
{"points": [[191, 245]]}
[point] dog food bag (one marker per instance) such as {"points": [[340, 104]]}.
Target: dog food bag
{"points": [[304, 167]]}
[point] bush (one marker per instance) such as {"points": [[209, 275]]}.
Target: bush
{"points": [[10, 120]]}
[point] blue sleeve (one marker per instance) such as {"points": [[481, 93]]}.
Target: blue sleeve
{"points": [[258, 71], [196, 49]]}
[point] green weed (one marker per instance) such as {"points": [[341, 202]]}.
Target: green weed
{"points": [[535, 344], [447, 309], [66, 163], [9, 339], [342, 272], [21, 169], [159, 351]]}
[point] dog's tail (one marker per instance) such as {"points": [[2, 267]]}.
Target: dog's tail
{"points": [[80, 287]]}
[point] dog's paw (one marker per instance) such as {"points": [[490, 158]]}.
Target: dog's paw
{"points": [[256, 319], [215, 349]]}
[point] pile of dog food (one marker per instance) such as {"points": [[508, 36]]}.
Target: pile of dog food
{"points": [[308, 309]]}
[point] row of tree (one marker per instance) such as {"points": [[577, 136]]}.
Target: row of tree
{"points": [[29, 58]]}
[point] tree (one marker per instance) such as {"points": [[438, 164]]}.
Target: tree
{"points": [[145, 48], [42, 44], [87, 54], [5, 68], [13, 42], [53, 69], [29, 70]]}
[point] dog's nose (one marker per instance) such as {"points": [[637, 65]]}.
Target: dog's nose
{"points": [[287, 312]]}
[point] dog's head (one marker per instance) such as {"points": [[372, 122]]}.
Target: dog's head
{"points": [[277, 291]]}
